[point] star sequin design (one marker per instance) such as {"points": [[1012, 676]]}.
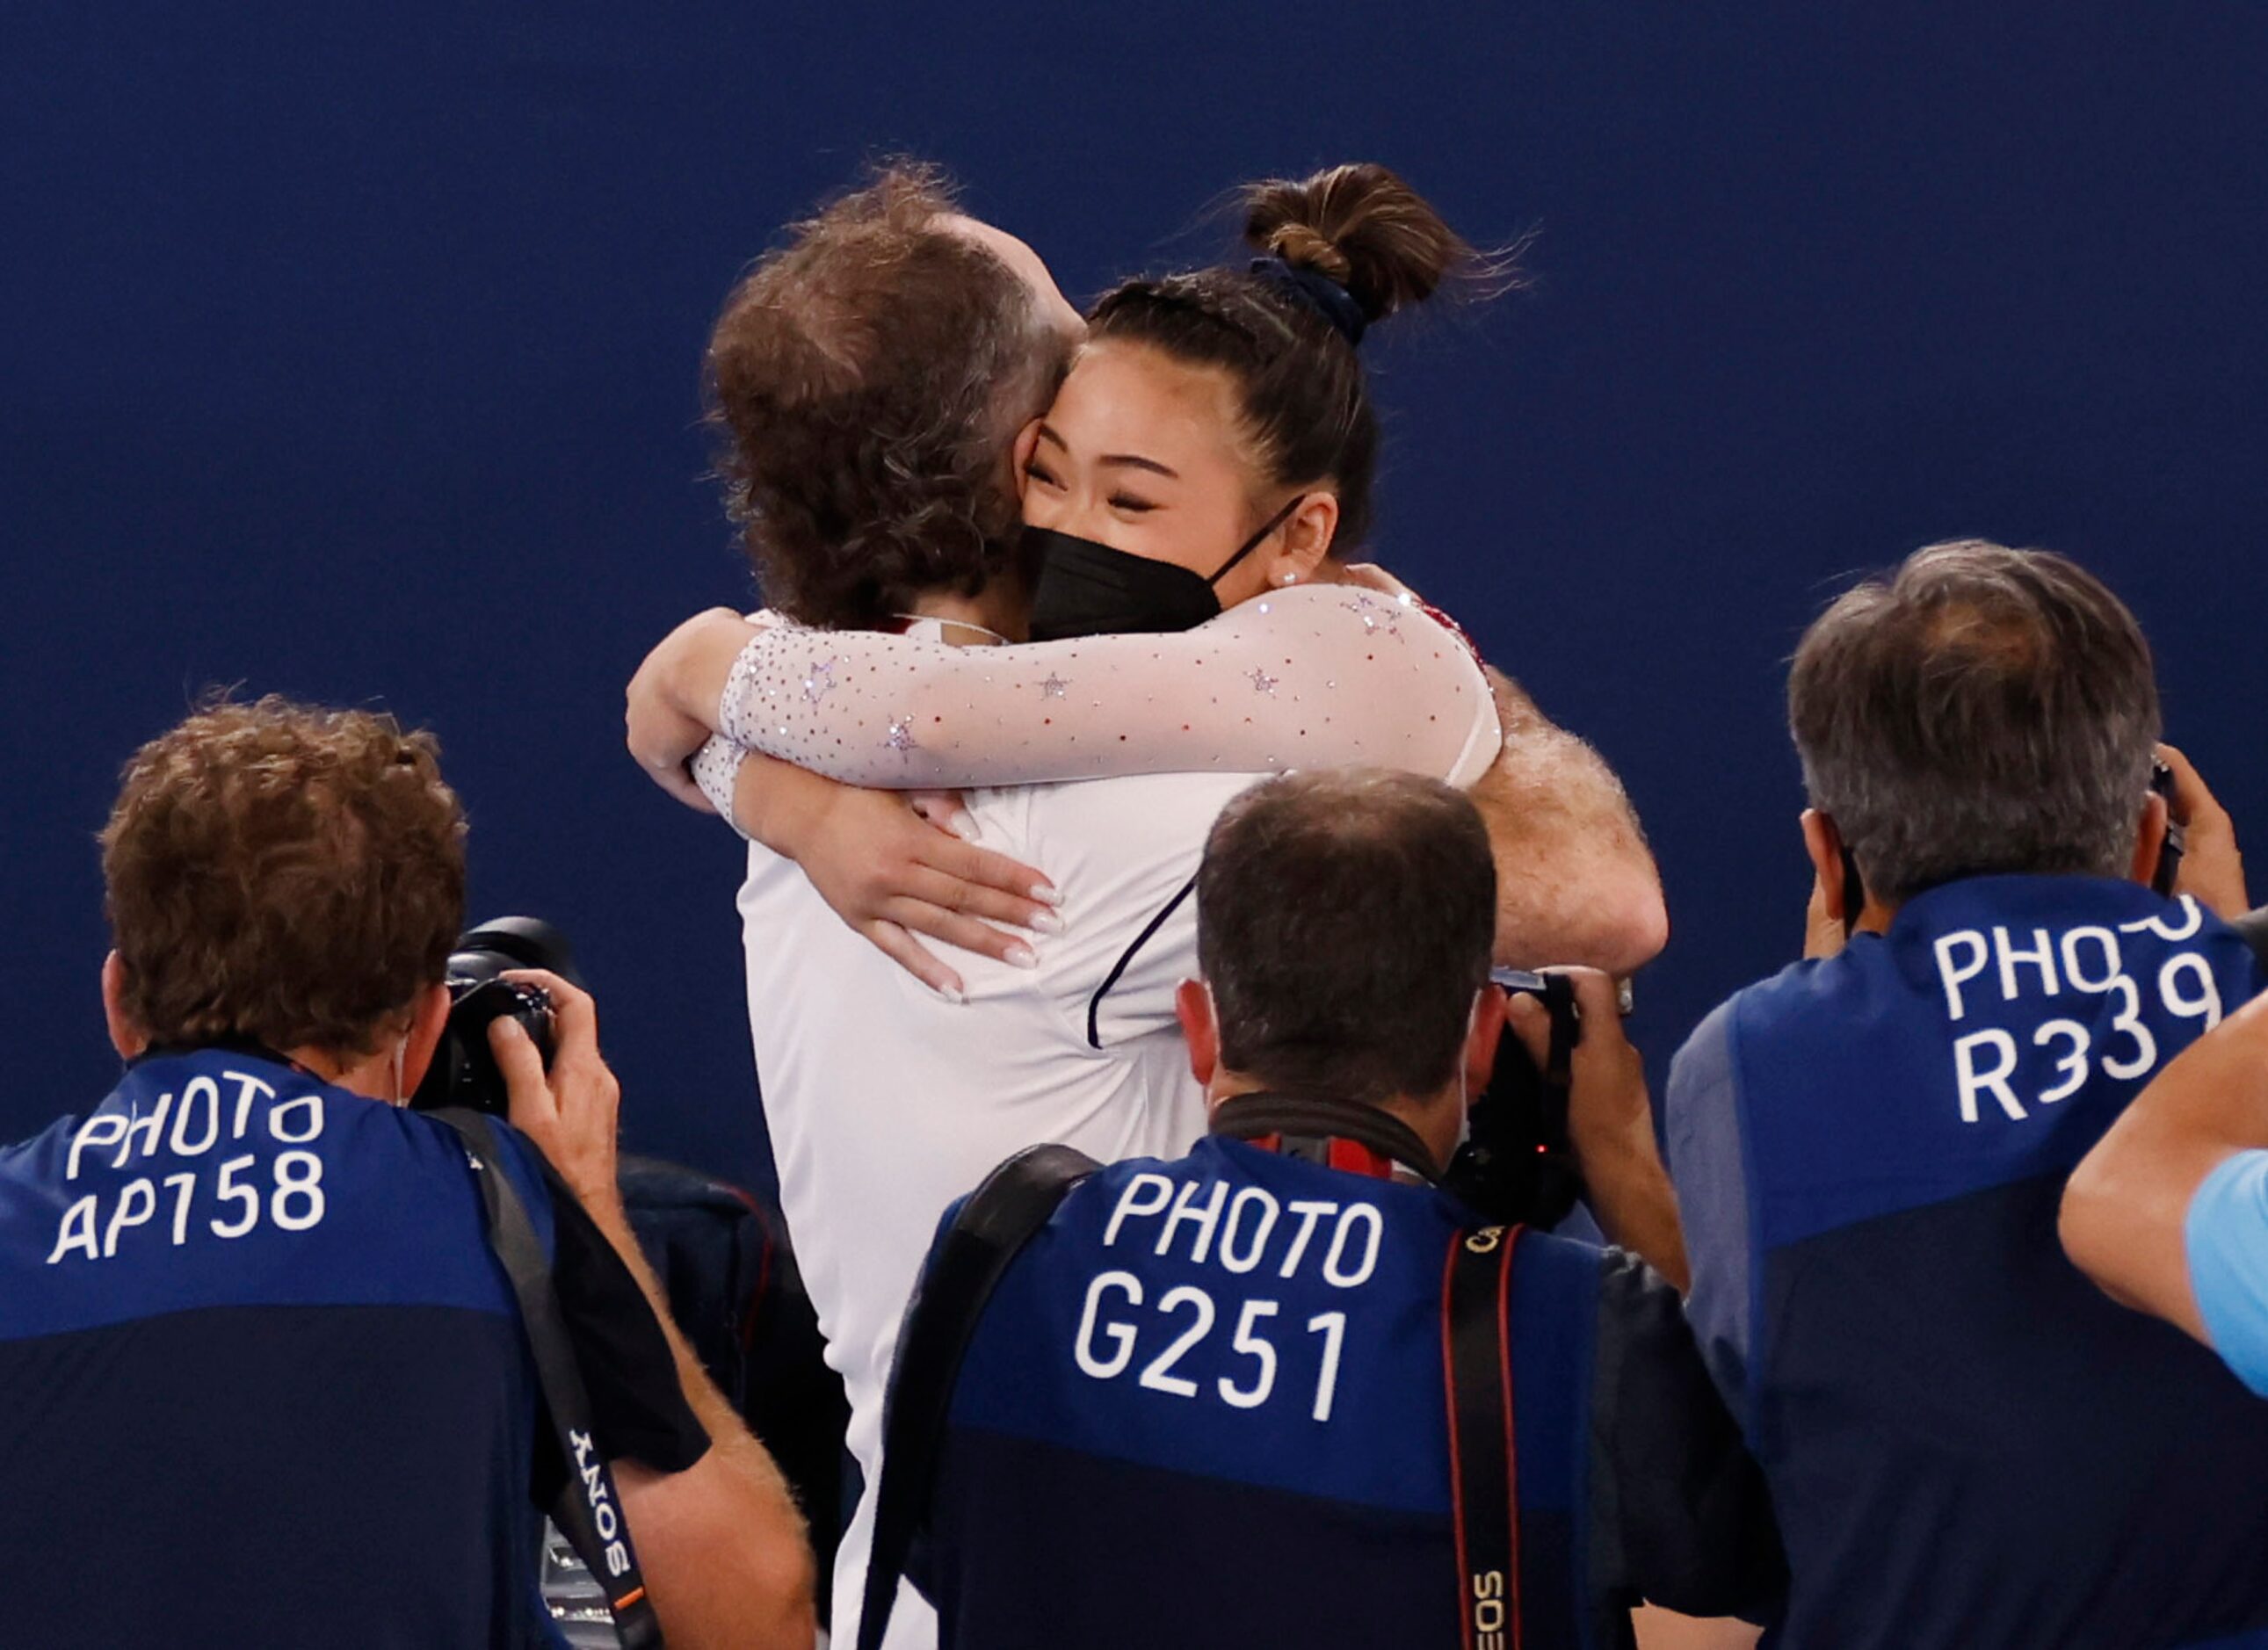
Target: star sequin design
{"points": [[1054, 688], [1261, 681], [1377, 616], [901, 736], [821, 681]]}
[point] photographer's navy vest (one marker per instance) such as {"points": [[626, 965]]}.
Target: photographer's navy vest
{"points": [[262, 1380], [1204, 1407], [1967, 1444]]}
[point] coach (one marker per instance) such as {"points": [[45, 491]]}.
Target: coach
{"points": [[263, 1380], [1967, 1444]]}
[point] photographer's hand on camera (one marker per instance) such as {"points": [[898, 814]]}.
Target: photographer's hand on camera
{"points": [[723, 1543], [569, 1111], [1610, 1123], [2212, 869]]}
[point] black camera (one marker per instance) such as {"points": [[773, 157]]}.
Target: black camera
{"points": [[1517, 1166], [464, 1072], [2177, 843]]}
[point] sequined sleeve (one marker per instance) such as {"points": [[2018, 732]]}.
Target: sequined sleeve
{"points": [[1324, 676]]}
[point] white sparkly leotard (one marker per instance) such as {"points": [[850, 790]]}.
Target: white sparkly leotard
{"points": [[1328, 675]]}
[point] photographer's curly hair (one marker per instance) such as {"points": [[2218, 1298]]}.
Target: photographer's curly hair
{"points": [[858, 376], [289, 874]]}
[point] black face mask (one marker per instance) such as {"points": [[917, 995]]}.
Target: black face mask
{"points": [[1088, 589]]}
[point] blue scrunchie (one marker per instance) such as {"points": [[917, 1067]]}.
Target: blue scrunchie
{"points": [[1317, 291]]}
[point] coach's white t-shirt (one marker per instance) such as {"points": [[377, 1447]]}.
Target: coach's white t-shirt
{"points": [[886, 1102]]}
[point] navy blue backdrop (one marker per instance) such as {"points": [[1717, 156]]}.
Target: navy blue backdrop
{"points": [[352, 353]]}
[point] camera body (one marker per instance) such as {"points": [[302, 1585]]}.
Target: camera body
{"points": [[464, 1072], [1517, 1166], [2177, 843]]}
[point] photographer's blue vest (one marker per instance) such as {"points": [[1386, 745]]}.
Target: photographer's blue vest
{"points": [[1205, 1407], [1968, 1445], [262, 1380]]}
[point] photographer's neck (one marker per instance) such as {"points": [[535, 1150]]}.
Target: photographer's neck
{"points": [[374, 1076], [403, 1042], [1438, 1120], [403, 1048]]}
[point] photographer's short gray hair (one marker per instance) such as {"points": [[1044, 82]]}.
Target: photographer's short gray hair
{"points": [[1980, 709]]}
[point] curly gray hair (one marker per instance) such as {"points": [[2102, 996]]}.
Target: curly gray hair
{"points": [[867, 378]]}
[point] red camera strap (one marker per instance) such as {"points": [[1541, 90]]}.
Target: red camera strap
{"points": [[1483, 1452], [1336, 1152]]}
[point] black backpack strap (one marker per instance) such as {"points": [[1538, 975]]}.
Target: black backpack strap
{"points": [[1484, 1480], [2254, 926], [588, 1511], [1000, 1216]]}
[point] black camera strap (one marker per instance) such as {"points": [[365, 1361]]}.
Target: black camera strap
{"points": [[1310, 1127], [999, 1218], [588, 1511], [1483, 1455]]}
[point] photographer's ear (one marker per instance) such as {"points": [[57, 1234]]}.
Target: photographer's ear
{"points": [[1200, 1028], [2150, 840], [429, 1016], [126, 1036], [1824, 843], [1482, 1035]]}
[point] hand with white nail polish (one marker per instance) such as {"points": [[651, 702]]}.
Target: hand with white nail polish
{"points": [[947, 810], [893, 864]]}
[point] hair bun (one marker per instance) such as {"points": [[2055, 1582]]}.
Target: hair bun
{"points": [[1303, 246], [1361, 227]]}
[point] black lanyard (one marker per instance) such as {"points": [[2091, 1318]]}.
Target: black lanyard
{"points": [[1317, 1129]]}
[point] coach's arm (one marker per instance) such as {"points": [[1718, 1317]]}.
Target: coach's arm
{"points": [[1576, 882]]}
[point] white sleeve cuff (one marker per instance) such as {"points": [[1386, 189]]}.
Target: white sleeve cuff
{"points": [[716, 771], [737, 711]]}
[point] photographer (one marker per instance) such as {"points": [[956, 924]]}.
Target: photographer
{"points": [[262, 1379], [2167, 1214], [1967, 1444], [1209, 1402]]}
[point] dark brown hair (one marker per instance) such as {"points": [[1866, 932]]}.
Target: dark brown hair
{"points": [[1981, 709], [866, 378], [285, 873], [1344, 921], [1305, 410]]}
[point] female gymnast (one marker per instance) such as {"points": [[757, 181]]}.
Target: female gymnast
{"points": [[1188, 500]]}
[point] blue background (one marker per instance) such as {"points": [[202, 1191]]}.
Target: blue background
{"points": [[352, 352]]}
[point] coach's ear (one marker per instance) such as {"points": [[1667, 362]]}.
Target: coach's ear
{"points": [[125, 1035], [1200, 1028], [1019, 457]]}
